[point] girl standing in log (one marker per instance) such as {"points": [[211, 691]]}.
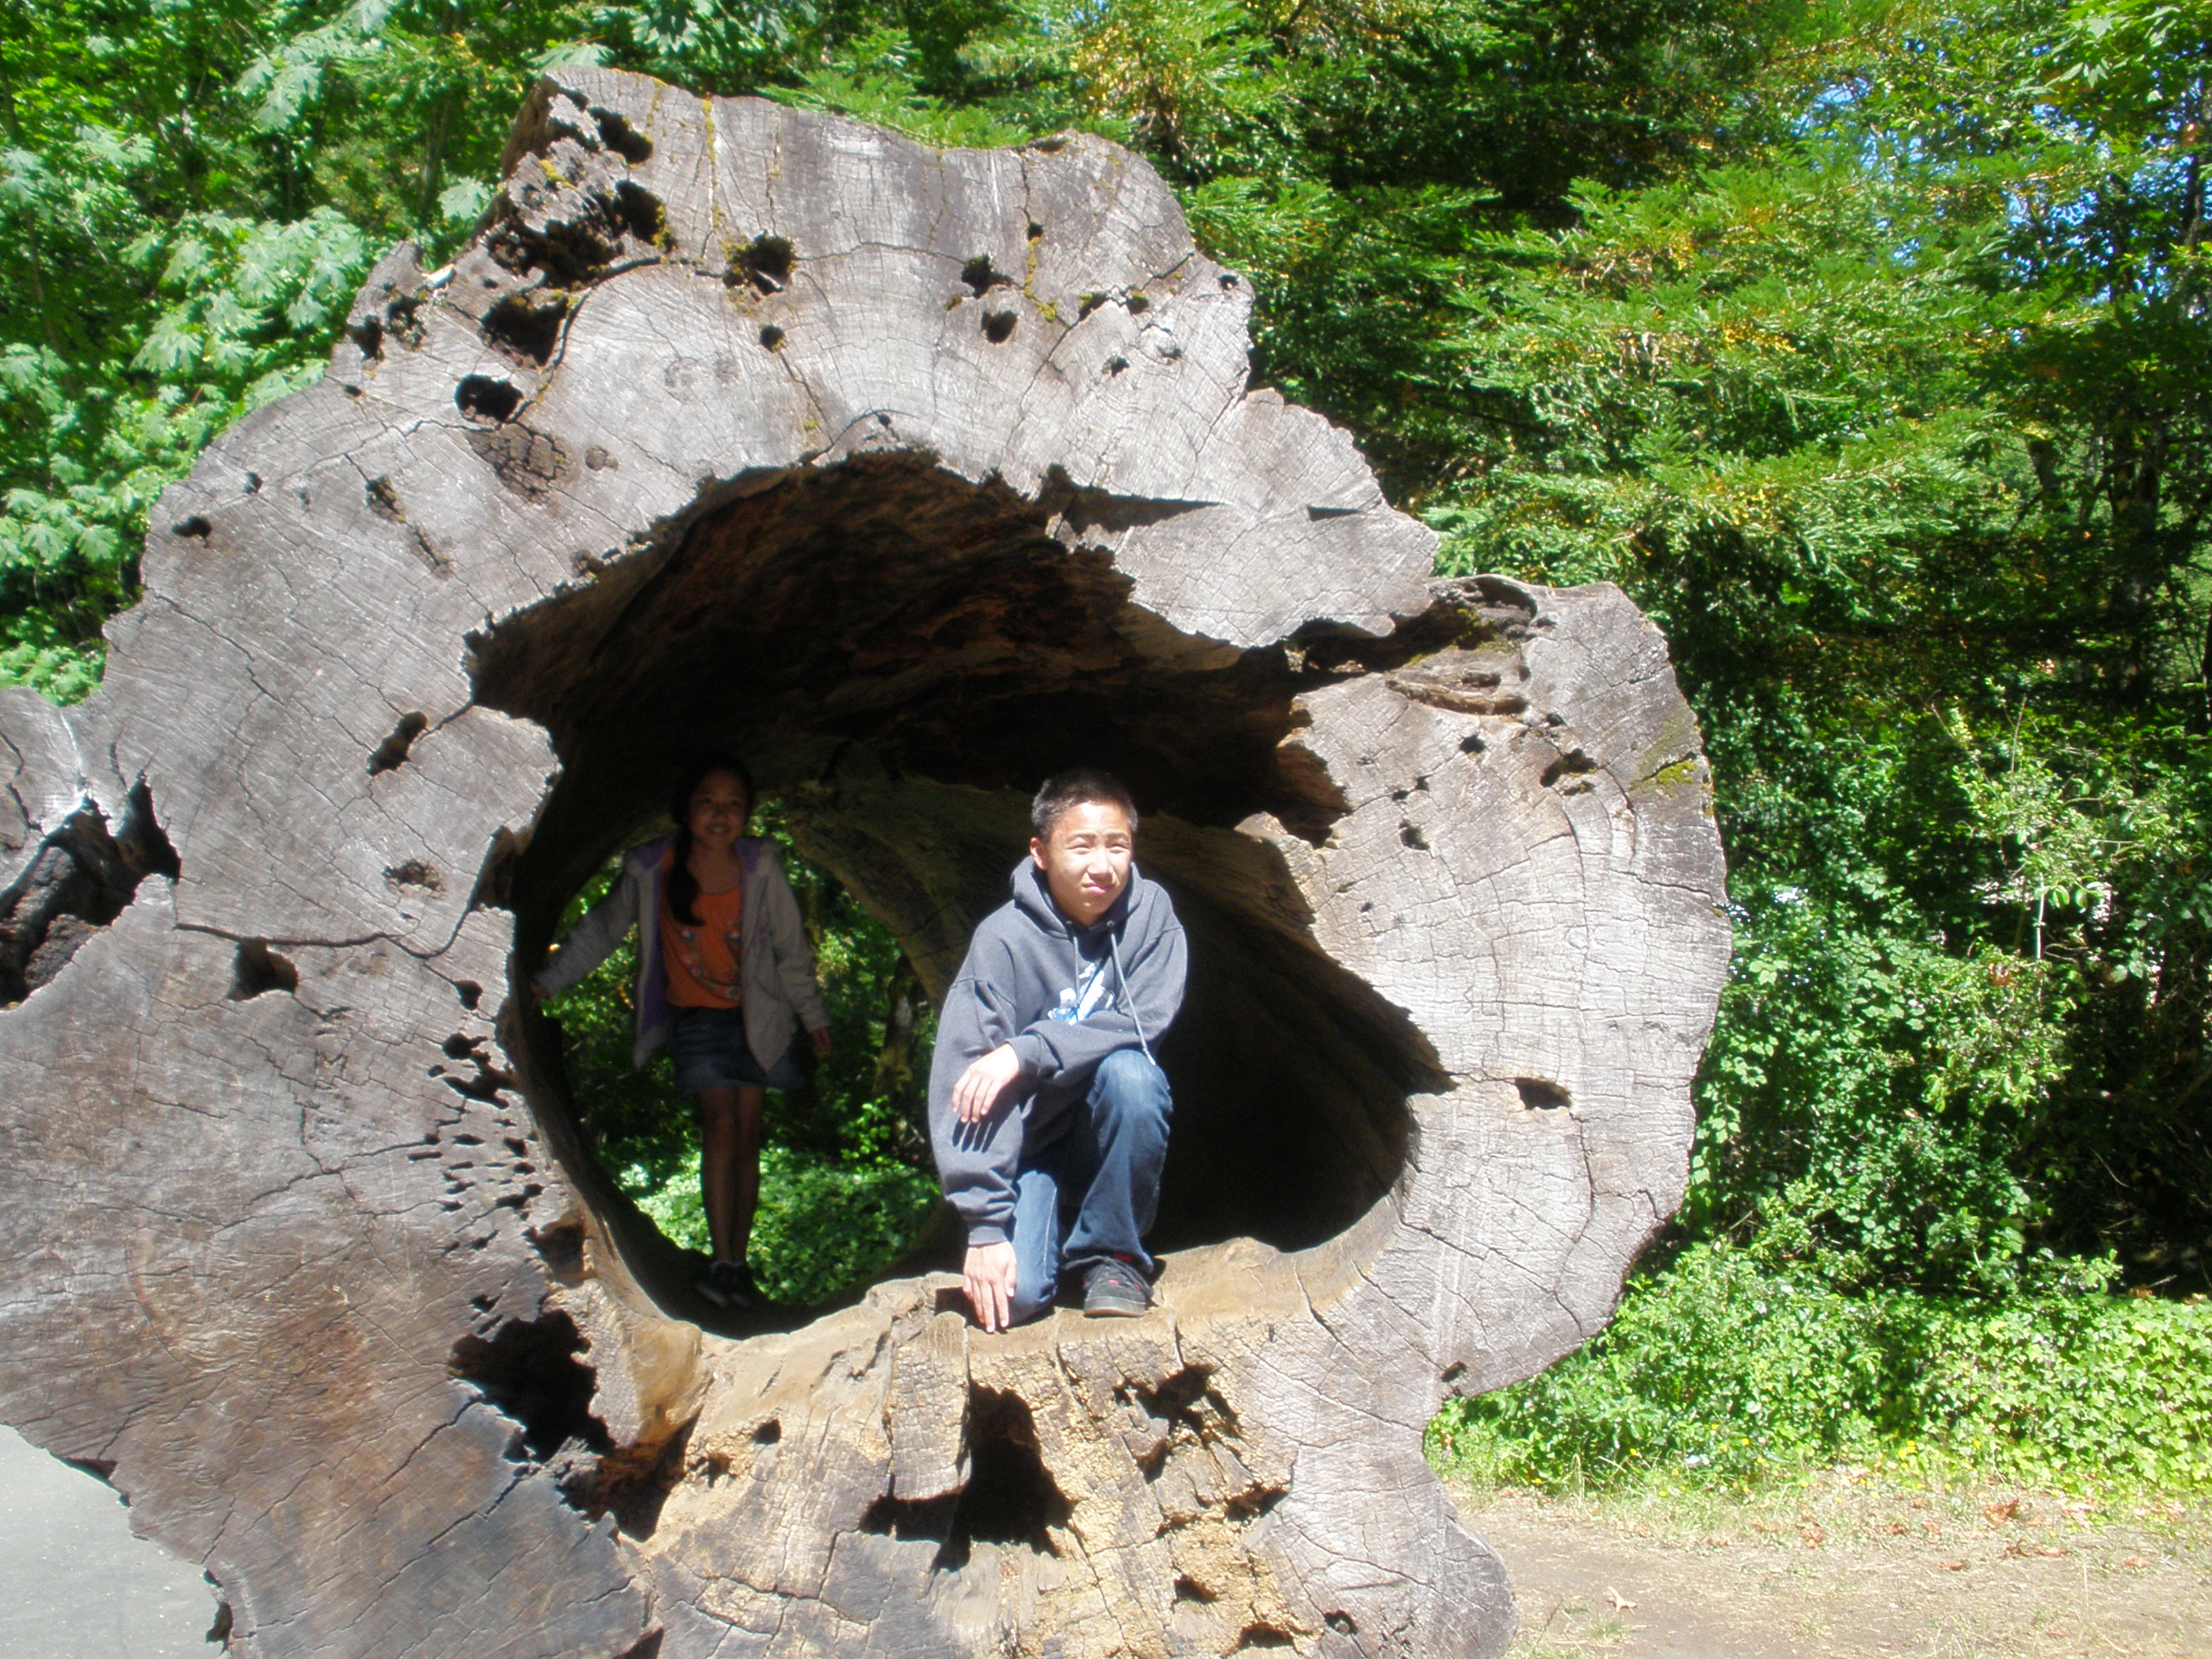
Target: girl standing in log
{"points": [[724, 975]]}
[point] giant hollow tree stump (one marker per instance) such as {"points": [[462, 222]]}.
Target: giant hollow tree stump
{"points": [[914, 476]]}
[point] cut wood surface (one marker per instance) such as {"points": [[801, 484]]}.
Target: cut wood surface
{"points": [[915, 476]]}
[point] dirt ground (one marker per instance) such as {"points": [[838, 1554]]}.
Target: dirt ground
{"points": [[1854, 1566]]}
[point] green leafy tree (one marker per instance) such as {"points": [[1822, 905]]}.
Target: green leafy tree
{"points": [[1902, 440]]}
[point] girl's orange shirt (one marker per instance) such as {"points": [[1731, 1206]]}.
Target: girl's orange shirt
{"points": [[704, 963]]}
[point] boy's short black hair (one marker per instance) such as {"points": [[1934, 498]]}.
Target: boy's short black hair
{"points": [[1085, 785]]}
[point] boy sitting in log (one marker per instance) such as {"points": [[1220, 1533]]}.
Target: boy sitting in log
{"points": [[1046, 1107]]}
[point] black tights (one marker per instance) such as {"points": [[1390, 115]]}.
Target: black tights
{"points": [[729, 1166]]}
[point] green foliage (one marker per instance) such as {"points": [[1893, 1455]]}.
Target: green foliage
{"points": [[1727, 1370], [199, 188], [824, 1226], [1867, 1095], [1352, 155], [846, 1182], [1898, 428]]}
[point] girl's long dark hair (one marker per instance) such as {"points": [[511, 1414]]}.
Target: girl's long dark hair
{"points": [[682, 885]]}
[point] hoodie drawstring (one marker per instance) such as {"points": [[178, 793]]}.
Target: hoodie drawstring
{"points": [[1113, 945]]}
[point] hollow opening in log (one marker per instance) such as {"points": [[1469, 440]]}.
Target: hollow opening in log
{"points": [[902, 656], [845, 1182], [1009, 1499]]}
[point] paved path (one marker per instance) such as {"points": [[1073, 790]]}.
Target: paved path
{"points": [[75, 1583]]}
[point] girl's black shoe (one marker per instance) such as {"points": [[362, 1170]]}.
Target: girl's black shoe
{"points": [[730, 1285]]}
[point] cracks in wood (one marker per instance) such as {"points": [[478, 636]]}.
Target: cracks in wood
{"points": [[1152, 1441], [526, 461], [1069, 507], [1466, 654], [576, 216]]}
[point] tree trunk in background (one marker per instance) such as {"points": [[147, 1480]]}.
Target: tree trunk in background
{"points": [[896, 1079], [912, 476]]}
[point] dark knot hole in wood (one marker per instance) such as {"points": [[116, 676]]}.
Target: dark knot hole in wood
{"points": [[80, 882]]}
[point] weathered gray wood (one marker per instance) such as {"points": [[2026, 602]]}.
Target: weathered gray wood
{"points": [[912, 474]]}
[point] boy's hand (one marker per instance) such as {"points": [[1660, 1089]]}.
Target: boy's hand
{"points": [[989, 1277], [984, 1081], [822, 1044]]}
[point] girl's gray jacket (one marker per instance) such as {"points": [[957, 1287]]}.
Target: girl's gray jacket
{"points": [[777, 964]]}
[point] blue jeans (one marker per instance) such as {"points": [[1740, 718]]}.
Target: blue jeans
{"points": [[1108, 1162]]}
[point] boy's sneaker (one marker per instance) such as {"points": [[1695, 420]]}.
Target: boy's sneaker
{"points": [[1115, 1290], [730, 1285]]}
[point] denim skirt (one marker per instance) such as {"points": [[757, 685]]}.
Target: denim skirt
{"points": [[710, 1051]]}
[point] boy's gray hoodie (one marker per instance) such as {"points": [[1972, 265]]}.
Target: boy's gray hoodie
{"points": [[1066, 997]]}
